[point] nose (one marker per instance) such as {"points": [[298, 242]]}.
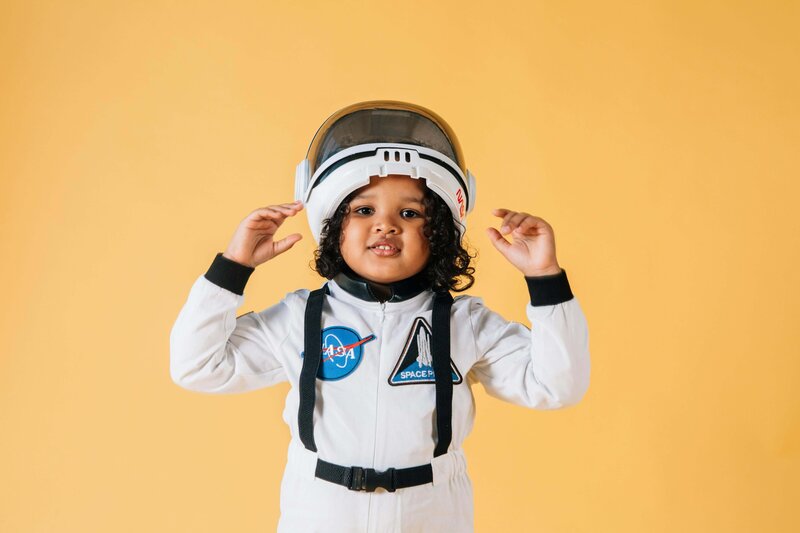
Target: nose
{"points": [[385, 224]]}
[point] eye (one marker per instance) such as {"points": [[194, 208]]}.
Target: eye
{"points": [[363, 210], [409, 213]]}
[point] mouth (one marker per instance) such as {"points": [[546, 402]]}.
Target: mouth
{"points": [[384, 250]]}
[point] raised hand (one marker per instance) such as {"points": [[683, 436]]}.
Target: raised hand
{"points": [[253, 242], [533, 250]]}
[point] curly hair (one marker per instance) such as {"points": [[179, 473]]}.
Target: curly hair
{"points": [[448, 266]]}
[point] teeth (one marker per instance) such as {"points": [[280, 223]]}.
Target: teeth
{"points": [[383, 247]]}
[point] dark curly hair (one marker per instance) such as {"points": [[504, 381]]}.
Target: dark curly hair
{"points": [[449, 262]]}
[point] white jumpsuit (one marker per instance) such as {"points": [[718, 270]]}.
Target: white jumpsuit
{"points": [[375, 399]]}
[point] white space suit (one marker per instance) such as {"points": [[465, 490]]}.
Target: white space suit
{"points": [[374, 393]]}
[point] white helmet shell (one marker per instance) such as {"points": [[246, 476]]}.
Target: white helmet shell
{"points": [[379, 138]]}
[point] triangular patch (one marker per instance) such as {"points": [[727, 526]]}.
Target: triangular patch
{"points": [[415, 364]]}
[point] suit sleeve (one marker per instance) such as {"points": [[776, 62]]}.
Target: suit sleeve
{"points": [[214, 351], [545, 366]]}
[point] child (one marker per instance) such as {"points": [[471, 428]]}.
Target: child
{"points": [[381, 359]]}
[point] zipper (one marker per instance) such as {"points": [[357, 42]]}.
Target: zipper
{"points": [[370, 513]]}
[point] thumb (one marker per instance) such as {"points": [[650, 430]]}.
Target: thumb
{"points": [[286, 243], [498, 241]]}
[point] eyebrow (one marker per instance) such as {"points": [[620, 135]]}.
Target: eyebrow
{"points": [[413, 199]]}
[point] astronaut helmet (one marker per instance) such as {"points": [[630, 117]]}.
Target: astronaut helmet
{"points": [[381, 138]]}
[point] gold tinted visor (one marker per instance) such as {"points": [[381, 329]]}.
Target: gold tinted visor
{"points": [[383, 121]]}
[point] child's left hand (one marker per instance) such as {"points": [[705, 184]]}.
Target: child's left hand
{"points": [[534, 248]]}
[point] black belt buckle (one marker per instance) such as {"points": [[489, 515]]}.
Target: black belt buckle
{"points": [[369, 479]]}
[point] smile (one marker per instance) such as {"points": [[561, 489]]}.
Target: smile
{"points": [[384, 250]]}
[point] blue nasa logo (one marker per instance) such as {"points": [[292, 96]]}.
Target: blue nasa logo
{"points": [[342, 349]]}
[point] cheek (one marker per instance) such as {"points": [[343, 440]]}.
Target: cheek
{"points": [[352, 239], [423, 246], [347, 235]]}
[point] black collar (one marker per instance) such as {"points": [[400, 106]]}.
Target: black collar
{"points": [[399, 290]]}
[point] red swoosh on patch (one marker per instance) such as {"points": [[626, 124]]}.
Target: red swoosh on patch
{"points": [[349, 346]]}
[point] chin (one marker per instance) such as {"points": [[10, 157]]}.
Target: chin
{"points": [[381, 277]]}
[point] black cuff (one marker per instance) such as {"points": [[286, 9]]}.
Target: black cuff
{"points": [[229, 274], [549, 290]]}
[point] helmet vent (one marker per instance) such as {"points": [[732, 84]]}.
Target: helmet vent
{"points": [[406, 155]]}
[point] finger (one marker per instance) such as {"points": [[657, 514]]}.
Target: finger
{"points": [[531, 223], [269, 213], [284, 213], [500, 212], [504, 226], [514, 220], [294, 205], [284, 207], [268, 221], [498, 240], [278, 209], [286, 243], [288, 210]]}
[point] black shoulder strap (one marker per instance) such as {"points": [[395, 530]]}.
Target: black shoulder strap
{"points": [[312, 353], [440, 346]]}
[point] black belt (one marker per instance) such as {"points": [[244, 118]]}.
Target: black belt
{"points": [[368, 479]]}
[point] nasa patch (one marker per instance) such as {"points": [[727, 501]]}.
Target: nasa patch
{"points": [[415, 364], [342, 349]]}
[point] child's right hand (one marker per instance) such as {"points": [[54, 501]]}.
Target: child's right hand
{"points": [[253, 243]]}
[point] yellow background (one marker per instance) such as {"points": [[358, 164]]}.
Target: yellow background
{"points": [[660, 139]]}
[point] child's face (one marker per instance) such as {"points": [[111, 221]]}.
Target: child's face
{"points": [[389, 210]]}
